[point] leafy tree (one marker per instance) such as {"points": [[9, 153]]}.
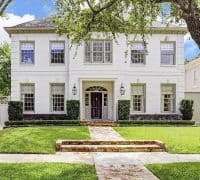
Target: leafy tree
{"points": [[77, 18], [3, 5], [5, 70]]}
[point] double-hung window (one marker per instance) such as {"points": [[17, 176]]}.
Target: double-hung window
{"points": [[138, 53], [28, 97], [27, 52], [57, 52], [57, 97], [138, 98], [98, 51], [168, 92], [167, 53]]}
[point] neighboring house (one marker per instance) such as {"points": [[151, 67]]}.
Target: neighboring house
{"points": [[47, 71], [192, 85]]}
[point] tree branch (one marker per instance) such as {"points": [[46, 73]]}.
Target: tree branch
{"points": [[4, 5]]}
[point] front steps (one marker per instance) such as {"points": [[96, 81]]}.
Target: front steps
{"points": [[98, 123], [109, 146]]}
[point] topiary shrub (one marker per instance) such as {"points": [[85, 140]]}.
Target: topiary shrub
{"points": [[73, 109], [15, 110], [186, 109], [123, 109]]}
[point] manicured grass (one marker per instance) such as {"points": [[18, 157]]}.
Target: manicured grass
{"points": [[177, 139], [47, 171], [38, 139], [183, 171]]}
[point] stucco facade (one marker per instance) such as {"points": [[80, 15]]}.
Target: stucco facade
{"points": [[111, 76]]}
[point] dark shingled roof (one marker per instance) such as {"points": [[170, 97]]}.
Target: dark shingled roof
{"points": [[40, 23]]}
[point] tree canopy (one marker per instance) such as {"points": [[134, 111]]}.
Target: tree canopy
{"points": [[78, 18], [3, 5], [5, 70]]}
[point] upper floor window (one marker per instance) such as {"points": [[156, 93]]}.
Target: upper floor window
{"points": [[57, 97], [27, 52], [167, 53], [57, 52], [28, 96], [138, 97], [138, 53], [195, 78], [98, 51], [168, 97]]}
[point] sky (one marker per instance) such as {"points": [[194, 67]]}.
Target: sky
{"points": [[21, 11]]}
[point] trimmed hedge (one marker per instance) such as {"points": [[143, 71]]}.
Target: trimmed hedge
{"points": [[186, 108], [155, 122], [123, 109], [42, 122], [15, 110], [73, 109]]}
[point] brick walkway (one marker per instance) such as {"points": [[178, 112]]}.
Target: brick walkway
{"points": [[104, 133]]}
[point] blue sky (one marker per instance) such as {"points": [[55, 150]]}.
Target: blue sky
{"points": [[42, 8]]}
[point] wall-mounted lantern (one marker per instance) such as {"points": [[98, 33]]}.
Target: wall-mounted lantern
{"points": [[74, 90], [122, 90]]}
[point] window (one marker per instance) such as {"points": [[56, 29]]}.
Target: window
{"points": [[57, 97], [57, 52], [168, 98], [138, 53], [195, 78], [98, 51], [28, 96], [168, 53], [138, 98], [105, 99], [86, 99], [27, 52]]}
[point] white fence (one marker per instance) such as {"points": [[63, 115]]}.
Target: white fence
{"points": [[3, 110]]}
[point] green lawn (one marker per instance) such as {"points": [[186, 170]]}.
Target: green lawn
{"points": [[38, 139], [47, 171], [177, 139], [173, 171]]}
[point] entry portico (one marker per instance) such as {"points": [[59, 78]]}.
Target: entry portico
{"points": [[98, 99]]}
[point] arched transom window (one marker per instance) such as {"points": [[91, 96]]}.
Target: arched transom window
{"points": [[96, 88]]}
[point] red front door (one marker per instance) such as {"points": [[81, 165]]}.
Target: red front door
{"points": [[96, 105]]}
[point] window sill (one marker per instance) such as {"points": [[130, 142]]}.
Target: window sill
{"points": [[162, 65], [57, 64], [24, 64], [28, 112], [137, 65], [98, 63]]}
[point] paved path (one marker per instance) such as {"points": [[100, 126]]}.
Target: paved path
{"points": [[104, 133]]}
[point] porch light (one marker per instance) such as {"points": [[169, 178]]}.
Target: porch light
{"points": [[74, 90], [122, 90]]}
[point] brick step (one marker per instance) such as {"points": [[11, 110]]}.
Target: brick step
{"points": [[110, 146], [98, 123]]}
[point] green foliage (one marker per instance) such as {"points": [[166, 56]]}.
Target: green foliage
{"points": [[123, 109], [155, 122], [5, 70], [42, 122], [186, 108], [73, 109], [15, 110], [38, 139], [171, 171], [47, 171], [177, 139]]}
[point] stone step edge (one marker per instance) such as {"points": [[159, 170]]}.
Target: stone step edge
{"points": [[60, 143]]}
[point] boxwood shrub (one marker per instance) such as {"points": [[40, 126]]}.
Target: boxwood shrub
{"points": [[123, 109], [73, 109], [155, 122], [15, 110], [186, 108], [42, 122]]}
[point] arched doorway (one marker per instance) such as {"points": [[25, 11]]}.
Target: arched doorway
{"points": [[96, 102]]}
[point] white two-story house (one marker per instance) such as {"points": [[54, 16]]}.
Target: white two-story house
{"points": [[47, 70]]}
